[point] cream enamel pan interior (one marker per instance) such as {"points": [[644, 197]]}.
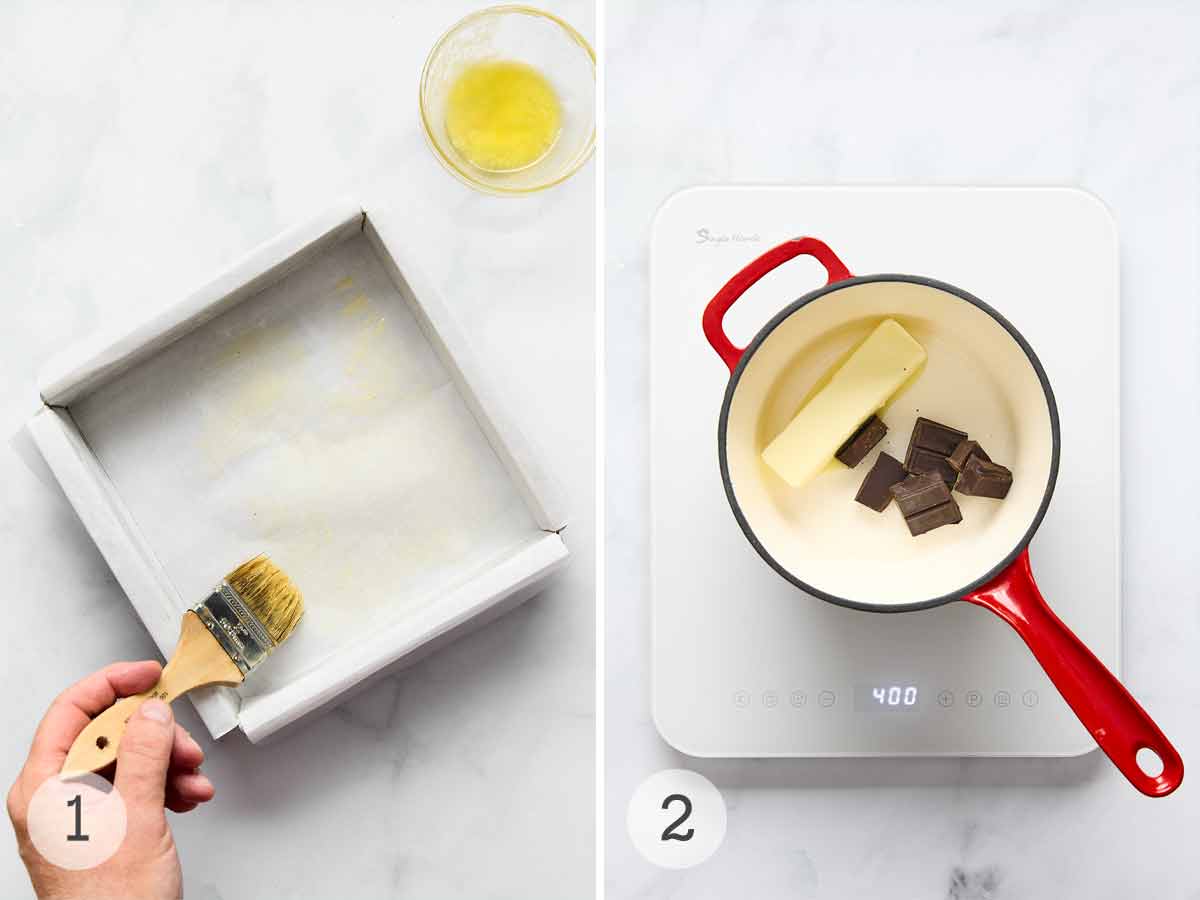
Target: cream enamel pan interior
{"points": [[980, 377]]}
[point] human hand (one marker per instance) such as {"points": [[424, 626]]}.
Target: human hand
{"points": [[157, 769]]}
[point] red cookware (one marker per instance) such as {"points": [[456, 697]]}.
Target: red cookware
{"points": [[982, 377]]}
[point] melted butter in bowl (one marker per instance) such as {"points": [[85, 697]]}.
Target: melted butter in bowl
{"points": [[502, 116]]}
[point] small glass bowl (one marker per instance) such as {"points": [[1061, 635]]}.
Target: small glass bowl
{"points": [[520, 34]]}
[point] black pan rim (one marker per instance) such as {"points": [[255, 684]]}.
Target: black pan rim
{"points": [[765, 332]]}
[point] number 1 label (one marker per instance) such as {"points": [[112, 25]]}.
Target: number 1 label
{"points": [[77, 835], [76, 822]]}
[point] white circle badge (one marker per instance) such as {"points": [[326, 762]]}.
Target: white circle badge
{"points": [[676, 818], [78, 822]]}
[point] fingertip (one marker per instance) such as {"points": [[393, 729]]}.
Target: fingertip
{"points": [[134, 677], [187, 752], [192, 744], [131, 666], [137, 664], [192, 787], [202, 786], [156, 711]]}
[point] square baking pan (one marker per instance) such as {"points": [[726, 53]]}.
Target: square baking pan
{"points": [[317, 403]]}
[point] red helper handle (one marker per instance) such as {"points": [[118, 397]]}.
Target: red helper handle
{"points": [[1118, 723], [714, 313]]}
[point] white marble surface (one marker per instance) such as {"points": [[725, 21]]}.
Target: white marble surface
{"points": [[142, 149], [1096, 95]]}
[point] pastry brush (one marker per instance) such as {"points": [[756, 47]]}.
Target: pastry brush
{"points": [[224, 637]]}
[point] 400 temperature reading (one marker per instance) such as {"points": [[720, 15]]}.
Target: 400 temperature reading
{"points": [[896, 695], [887, 697]]}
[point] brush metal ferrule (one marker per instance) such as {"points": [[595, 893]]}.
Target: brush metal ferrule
{"points": [[235, 627]]}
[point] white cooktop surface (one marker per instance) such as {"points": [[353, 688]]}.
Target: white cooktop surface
{"points": [[746, 665]]}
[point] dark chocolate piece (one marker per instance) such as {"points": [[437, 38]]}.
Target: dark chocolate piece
{"points": [[930, 435], [859, 444], [923, 462], [926, 503], [930, 445], [875, 491], [964, 451], [917, 493], [934, 517], [984, 479]]}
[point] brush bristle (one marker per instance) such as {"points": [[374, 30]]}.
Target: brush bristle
{"points": [[269, 594]]}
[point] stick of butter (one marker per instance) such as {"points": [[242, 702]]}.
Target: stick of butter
{"points": [[859, 389]]}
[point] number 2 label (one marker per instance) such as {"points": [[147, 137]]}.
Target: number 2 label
{"points": [[691, 808], [669, 833]]}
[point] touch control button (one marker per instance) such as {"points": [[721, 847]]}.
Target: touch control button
{"points": [[827, 698], [770, 699], [946, 698], [1003, 698], [799, 698], [1030, 699], [974, 698], [741, 699]]}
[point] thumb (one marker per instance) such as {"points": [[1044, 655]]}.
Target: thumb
{"points": [[143, 757]]}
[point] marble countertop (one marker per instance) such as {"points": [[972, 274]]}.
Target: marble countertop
{"points": [[143, 149], [1101, 96]]}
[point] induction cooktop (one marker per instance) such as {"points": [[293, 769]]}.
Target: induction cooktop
{"points": [[745, 664]]}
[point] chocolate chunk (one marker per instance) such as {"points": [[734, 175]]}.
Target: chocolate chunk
{"points": [[926, 503], [859, 444], [930, 435], [964, 451], [917, 493], [875, 491], [934, 517], [981, 478], [923, 462], [930, 445]]}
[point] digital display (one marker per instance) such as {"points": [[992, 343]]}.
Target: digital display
{"points": [[887, 697]]}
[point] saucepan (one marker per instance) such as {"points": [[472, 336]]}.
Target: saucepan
{"points": [[982, 377]]}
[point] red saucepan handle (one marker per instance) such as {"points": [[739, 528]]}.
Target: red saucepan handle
{"points": [[714, 313], [1118, 723]]}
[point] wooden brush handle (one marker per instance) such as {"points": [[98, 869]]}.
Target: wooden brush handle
{"points": [[198, 660]]}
